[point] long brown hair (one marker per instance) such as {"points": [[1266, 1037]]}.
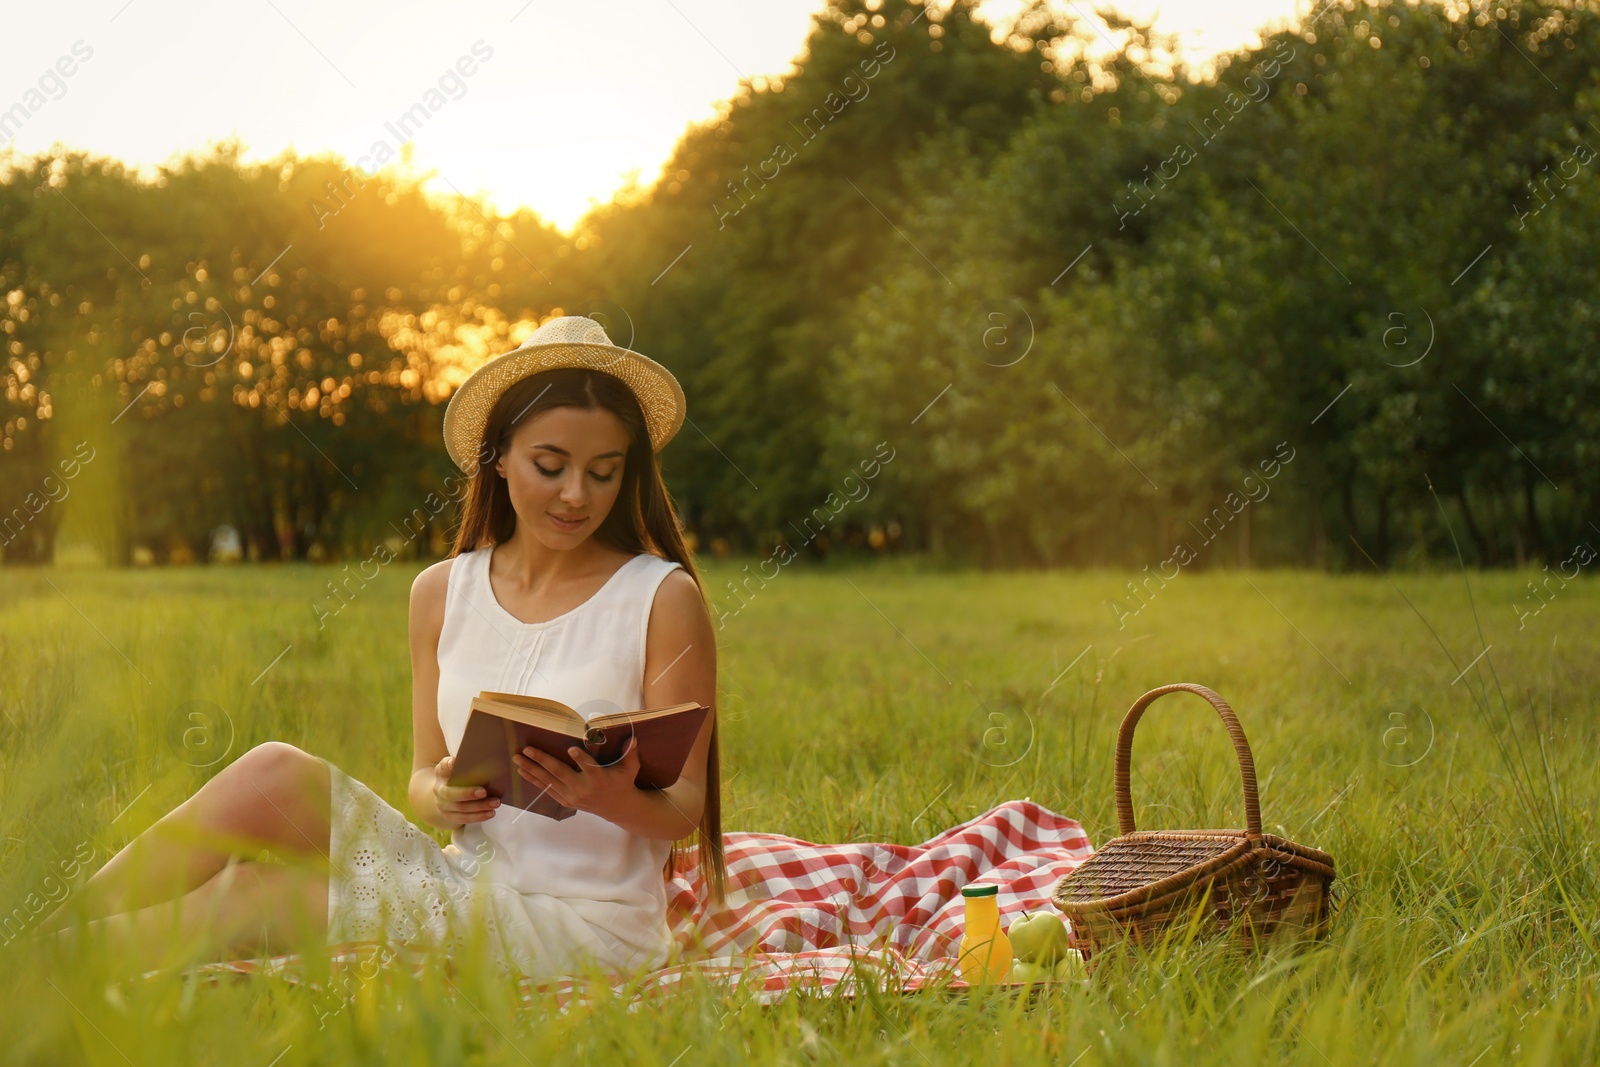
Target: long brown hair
{"points": [[643, 519]]}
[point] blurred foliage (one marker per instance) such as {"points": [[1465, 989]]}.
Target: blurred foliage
{"points": [[1083, 293]]}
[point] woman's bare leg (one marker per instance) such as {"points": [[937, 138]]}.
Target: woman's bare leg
{"points": [[273, 797], [245, 907]]}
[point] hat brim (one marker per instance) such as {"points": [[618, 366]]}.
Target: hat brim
{"points": [[660, 396]]}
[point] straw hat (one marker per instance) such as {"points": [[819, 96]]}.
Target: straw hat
{"points": [[565, 341]]}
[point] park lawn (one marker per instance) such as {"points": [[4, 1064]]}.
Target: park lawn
{"points": [[1455, 790]]}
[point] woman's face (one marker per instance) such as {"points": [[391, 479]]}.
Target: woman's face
{"points": [[565, 462]]}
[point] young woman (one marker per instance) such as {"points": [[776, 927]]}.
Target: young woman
{"points": [[569, 579]]}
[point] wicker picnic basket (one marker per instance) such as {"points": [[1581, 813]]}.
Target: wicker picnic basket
{"points": [[1140, 883]]}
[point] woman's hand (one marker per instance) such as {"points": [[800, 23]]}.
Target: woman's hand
{"points": [[460, 803], [600, 790]]}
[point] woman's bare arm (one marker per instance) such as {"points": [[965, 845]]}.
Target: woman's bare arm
{"points": [[680, 665], [430, 764]]}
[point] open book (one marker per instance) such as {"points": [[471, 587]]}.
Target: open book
{"points": [[501, 724]]}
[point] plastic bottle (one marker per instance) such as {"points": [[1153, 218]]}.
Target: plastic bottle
{"points": [[985, 950]]}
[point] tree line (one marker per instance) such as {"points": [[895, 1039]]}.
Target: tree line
{"points": [[1083, 295]]}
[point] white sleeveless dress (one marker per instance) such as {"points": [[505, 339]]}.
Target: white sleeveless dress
{"points": [[551, 893]]}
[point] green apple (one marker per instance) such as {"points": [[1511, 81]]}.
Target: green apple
{"points": [[1038, 938], [1067, 968], [1028, 973]]}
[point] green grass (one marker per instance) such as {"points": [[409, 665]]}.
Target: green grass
{"points": [[859, 705]]}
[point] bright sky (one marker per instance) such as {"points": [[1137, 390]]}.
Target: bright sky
{"points": [[559, 103]]}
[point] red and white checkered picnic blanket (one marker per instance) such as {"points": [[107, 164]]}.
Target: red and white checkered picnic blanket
{"points": [[826, 917]]}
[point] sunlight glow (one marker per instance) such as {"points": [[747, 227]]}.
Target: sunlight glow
{"points": [[551, 106]]}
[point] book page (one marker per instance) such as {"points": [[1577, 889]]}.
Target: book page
{"points": [[622, 718], [535, 711]]}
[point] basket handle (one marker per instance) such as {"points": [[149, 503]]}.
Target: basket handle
{"points": [[1241, 747]]}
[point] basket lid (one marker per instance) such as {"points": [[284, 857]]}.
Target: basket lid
{"points": [[1127, 864]]}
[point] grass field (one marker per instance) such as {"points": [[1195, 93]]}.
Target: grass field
{"points": [[1455, 789]]}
